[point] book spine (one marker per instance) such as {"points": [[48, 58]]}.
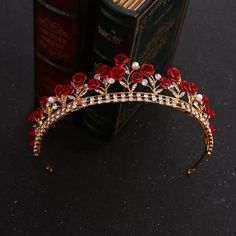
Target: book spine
{"points": [[61, 46], [148, 36]]}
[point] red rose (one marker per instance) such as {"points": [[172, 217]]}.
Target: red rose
{"points": [[68, 90], [43, 101], [147, 69], [38, 114], [213, 129], [204, 100], [193, 88], [59, 90], [103, 71], [117, 73], [184, 85], [209, 112], [94, 84], [121, 60], [31, 133], [64, 90], [79, 79], [136, 77], [174, 73], [165, 82]]}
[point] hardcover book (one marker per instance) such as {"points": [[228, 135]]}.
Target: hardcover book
{"points": [[147, 31], [63, 38]]}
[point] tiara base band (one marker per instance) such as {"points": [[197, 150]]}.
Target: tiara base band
{"points": [[123, 97]]}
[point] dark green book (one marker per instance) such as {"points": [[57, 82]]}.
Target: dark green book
{"points": [[148, 34]]}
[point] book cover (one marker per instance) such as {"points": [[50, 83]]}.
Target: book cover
{"points": [[148, 34], [63, 38]]}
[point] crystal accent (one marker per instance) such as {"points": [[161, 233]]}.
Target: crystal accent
{"points": [[54, 106]]}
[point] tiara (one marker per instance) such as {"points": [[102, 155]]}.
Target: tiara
{"points": [[140, 83]]}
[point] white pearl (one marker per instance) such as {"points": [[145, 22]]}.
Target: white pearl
{"points": [[97, 76], [135, 65], [158, 76], [111, 81], [199, 97], [145, 82], [51, 100]]}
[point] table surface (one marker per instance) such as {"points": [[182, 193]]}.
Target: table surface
{"points": [[135, 185]]}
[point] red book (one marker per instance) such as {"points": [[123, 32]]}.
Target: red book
{"points": [[63, 39]]}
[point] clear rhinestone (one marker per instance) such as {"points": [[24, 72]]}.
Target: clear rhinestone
{"points": [[195, 103], [154, 98], [54, 106], [91, 100], [99, 100], [74, 105], [135, 65], [146, 98], [145, 82]]}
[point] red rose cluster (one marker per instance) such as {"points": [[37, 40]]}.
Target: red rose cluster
{"points": [[174, 76]]}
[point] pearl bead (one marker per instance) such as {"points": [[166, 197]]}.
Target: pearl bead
{"points": [[51, 100], [199, 97], [97, 76], [145, 82], [111, 81], [158, 76], [135, 65]]}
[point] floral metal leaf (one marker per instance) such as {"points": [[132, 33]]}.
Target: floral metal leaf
{"points": [[124, 84], [174, 93], [151, 81], [99, 91], [83, 92], [182, 94], [71, 97], [159, 90], [134, 86]]}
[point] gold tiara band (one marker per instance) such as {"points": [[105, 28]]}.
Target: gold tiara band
{"points": [[139, 84]]}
